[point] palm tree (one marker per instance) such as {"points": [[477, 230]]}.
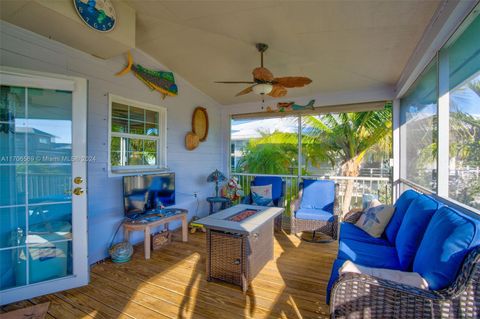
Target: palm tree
{"points": [[344, 137], [348, 137]]}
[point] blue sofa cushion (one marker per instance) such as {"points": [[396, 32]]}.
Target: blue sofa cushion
{"points": [[350, 231], [334, 276], [447, 240], [401, 207], [275, 181], [314, 214], [413, 228], [371, 255], [318, 194]]}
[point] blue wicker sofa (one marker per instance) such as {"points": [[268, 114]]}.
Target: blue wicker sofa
{"points": [[423, 236]]}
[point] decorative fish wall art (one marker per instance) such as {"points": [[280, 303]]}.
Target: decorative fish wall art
{"points": [[292, 106], [161, 81]]}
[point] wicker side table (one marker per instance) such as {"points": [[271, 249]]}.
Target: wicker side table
{"points": [[238, 249], [238, 258]]}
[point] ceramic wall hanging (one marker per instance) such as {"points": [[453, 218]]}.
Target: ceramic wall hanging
{"points": [[292, 106], [161, 81], [97, 14]]}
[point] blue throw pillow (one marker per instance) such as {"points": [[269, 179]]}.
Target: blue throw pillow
{"points": [[448, 238], [401, 207], [413, 228]]}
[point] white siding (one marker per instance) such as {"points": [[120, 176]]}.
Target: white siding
{"points": [[23, 49]]}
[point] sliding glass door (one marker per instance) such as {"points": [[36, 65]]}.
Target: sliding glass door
{"points": [[42, 181]]}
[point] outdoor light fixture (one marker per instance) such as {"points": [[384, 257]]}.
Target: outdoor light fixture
{"points": [[262, 89]]}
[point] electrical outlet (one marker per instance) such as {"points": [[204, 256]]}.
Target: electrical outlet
{"points": [[195, 194]]}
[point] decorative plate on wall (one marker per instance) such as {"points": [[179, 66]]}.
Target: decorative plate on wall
{"points": [[200, 123], [97, 14]]}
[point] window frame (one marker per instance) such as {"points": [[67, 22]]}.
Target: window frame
{"points": [[443, 123], [161, 139]]}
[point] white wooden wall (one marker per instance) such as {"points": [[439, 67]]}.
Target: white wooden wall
{"points": [[24, 49]]}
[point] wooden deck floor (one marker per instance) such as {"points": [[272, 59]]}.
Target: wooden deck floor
{"points": [[172, 285]]}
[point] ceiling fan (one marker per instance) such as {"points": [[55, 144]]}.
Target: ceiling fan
{"points": [[265, 84]]}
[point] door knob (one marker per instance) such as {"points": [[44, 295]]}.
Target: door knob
{"points": [[78, 180], [78, 191]]}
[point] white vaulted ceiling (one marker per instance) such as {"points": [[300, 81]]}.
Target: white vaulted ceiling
{"points": [[340, 45]]}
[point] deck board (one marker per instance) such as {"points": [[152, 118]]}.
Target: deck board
{"points": [[172, 284]]}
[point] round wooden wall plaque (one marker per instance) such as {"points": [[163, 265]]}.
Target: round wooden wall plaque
{"points": [[200, 123]]}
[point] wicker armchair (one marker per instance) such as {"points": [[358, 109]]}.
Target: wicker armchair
{"points": [[329, 228], [363, 296]]}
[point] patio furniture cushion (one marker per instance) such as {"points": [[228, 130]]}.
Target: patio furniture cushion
{"points": [[375, 219], [401, 207], [413, 228], [447, 240], [262, 195], [366, 254], [275, 181], [402, 277], [350, 231], [337, 264], [314, 214], [318, 194]]}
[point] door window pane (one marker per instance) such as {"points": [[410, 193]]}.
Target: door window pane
{"points": [[418, 116], [49, 126], [54, 219], [13, 268], [12, 185], [463, 55], [12, 123], [12, 225], [48, 260], [49, 183]]}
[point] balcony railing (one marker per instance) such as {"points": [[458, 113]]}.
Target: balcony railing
{"points": [[379, 186]]}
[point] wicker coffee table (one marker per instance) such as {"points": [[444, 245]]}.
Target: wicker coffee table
{"points": [[239, 242]]}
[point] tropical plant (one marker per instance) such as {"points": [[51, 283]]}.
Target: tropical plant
{"points": [[271, 154], [347, 137], [343, 138]]}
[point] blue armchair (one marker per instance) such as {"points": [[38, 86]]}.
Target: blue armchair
{"points": [[316, 208], [278, 193]]}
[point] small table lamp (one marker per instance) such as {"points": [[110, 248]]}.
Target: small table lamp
{"points": [[216, 177]]}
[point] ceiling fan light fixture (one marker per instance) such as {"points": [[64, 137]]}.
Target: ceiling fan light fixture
{"points": [[262, 89]]}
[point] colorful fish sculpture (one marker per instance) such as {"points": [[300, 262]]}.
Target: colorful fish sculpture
{"points": [[161, 81], [292, 106]]}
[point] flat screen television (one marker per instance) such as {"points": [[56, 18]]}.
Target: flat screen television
{"points": [[145, 193]]}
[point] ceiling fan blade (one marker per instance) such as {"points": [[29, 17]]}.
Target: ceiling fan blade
{"points": [[278, 91], [262, 74], [245, 91], [292, 81], [235, 82]]}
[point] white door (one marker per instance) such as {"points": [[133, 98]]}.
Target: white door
{"points": [[43, 203]]}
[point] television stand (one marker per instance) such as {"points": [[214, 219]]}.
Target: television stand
{"points": [[148, 222]]}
